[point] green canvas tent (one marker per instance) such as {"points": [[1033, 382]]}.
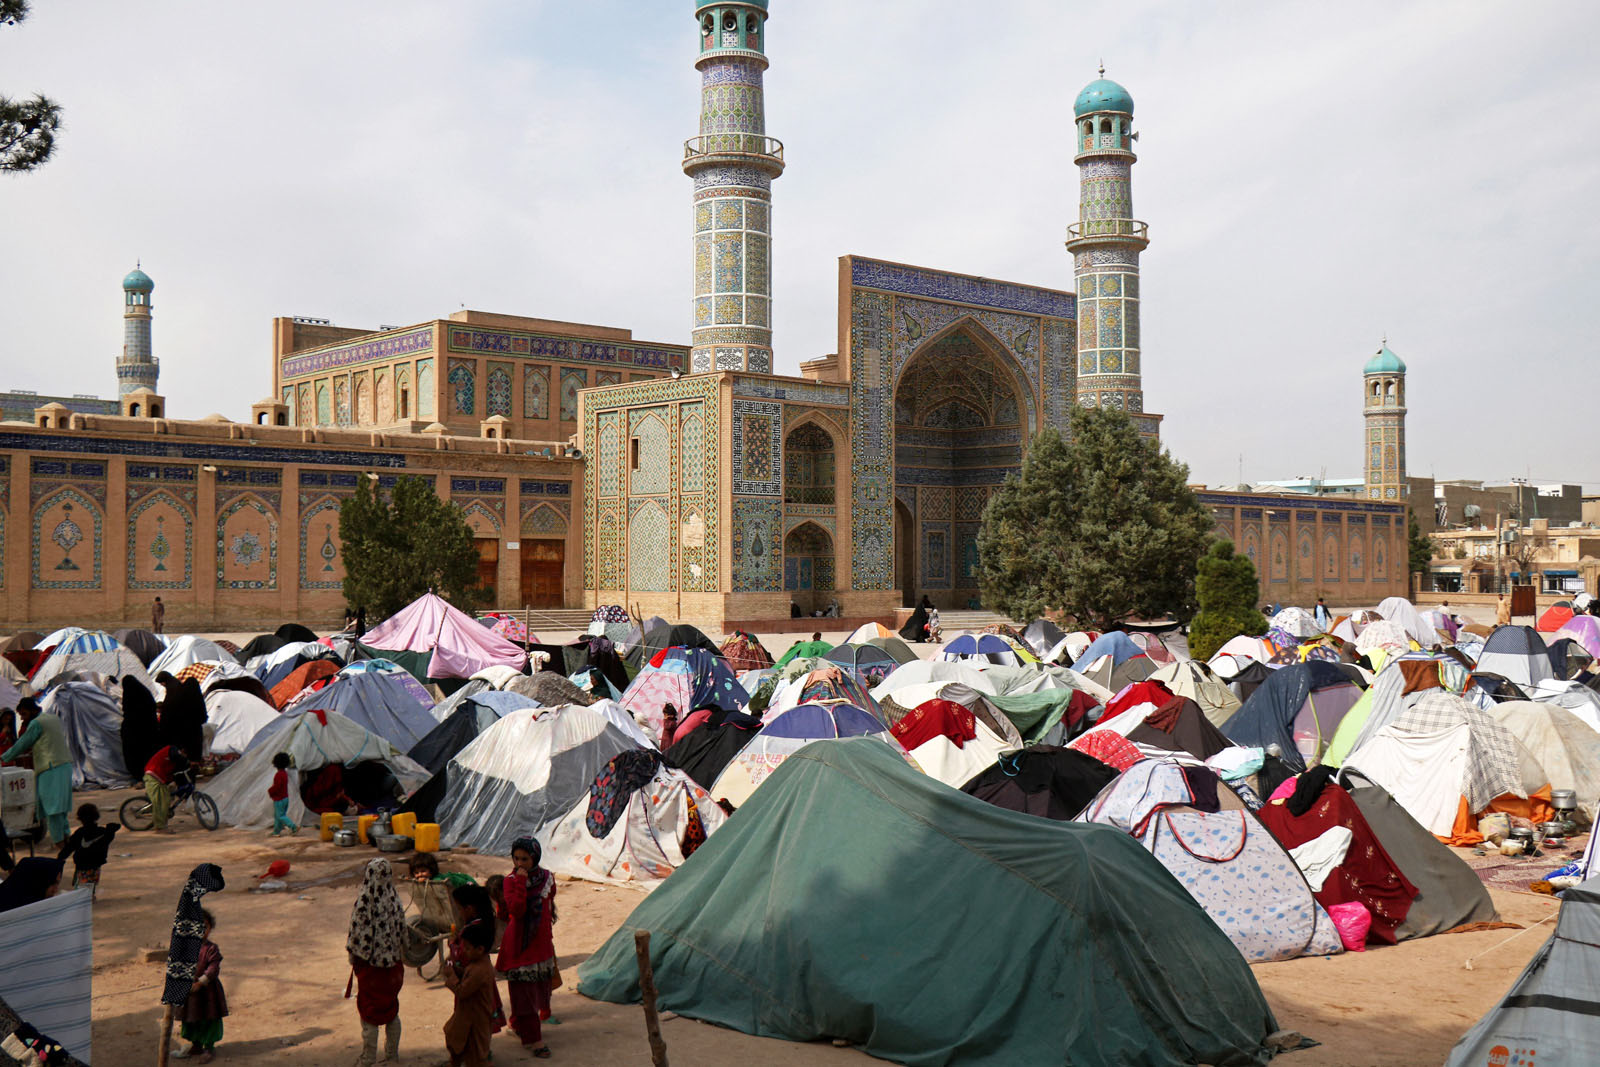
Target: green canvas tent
{"points": [[850, 899]]}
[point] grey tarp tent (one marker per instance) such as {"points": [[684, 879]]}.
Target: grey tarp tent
{"points": [[93, 724], [822, 910], [1551, 1008]]}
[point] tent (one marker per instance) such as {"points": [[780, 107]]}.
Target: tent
{"points": [[622, 831], [1398, 687], [1568, 657], [93, 722], [303, 677], [1296, 622], [260, 645], [923, 671], [745, 652], [1566, 747], [142, 643], [1042, 635], [1443, 623], [898, 650], [951, 743], [1551, 1007], [1384, 634], [704, 752], [868, 631], [1399, 609], [459, 647], [1584, 629], [1042, 780], [1298, 709], [189, 649], [778, 928], [1197, 681], [90, 651], [1447, 761], [788, 733], [867, 664], [273, 667], [235, 717], [524, 773], [824, 685], [468, 718], [313, 741], [1350, 627], [1234, 868], [659, 634], [1178, 726], [983, 648], [686, 678], [379, 701], [1518, 654], [1119, 646], [804, 650], [22, 640], [1554, 619]]}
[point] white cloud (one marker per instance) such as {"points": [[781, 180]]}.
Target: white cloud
{"points": [[1314, 175]]}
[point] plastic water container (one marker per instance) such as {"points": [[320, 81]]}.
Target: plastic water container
{"points": [[404, 823], [17, 798], [331, 821], [363, 824], [427, 838]]}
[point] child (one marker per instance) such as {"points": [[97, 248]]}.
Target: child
{"points": [[279, 792], [475, 907], [88, 846], [466, 1034], [424, 867], [527, 953], [203, 1012]]}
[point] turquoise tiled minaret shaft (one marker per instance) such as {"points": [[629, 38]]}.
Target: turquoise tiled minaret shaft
{"points": [[1105, 244], [136, 368], [732, 162], [1383, 382]]}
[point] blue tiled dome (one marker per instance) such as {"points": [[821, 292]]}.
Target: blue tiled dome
{"points": [[1103, 94], [1385, 362], [138, 281]]}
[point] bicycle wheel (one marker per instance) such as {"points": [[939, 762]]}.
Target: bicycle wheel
{"points": [[135, 813], [205, 810]]}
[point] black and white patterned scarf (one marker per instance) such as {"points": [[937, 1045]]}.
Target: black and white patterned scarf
{"points": [[188, 933], [377, 922]]}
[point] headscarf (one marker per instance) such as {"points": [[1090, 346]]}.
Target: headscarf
{"points": [[30, 882], [540, 882], [377, 922], [188, 932]]}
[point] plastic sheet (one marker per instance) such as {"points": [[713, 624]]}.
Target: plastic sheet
{"points": [[645, 845], [93, 722], [237, 717], [381, 701]]}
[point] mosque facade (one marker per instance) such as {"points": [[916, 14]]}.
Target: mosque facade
{"points": [[594, 468]]}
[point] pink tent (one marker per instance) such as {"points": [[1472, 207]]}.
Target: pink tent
{"points": [[461, 646]]}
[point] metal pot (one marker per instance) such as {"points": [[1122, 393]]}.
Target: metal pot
{"points": [[1524, 836], [345, 838], [1564, 799], [392, 842]]}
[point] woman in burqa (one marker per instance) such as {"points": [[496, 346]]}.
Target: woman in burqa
{"points": [[141, 729], [183, 715], [916, 628]]}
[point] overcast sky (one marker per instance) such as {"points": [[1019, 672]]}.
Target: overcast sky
{"points": [[1314, 176]]}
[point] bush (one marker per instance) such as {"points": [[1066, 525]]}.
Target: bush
{"points": [[1227, 590]]}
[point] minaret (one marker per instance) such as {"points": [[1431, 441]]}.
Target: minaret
{"points": [[732, 162], [1383, 381], [137, 368], [1105, 244]]}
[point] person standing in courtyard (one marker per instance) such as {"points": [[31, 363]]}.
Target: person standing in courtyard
{"points": [[527, 952], [1502, 612], [46, 737], [375, 944], [471, 979], [158, 617], [278, 793], [203, 1012], [1322, 617]]}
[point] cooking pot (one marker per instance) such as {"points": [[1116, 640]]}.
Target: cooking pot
{"points": [[1564, 799], [392, 842], [345, 838]]}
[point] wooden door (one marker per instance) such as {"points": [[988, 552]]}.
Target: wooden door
{"points": [[543, 567], [489, 565]]}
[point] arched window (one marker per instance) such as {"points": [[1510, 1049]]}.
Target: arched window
{"points": [[808, 466], [155, 411], [133, 409], [808, 558]]}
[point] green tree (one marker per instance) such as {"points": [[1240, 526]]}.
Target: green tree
{"points": [[1419, 545], [27, 127], [1228, 592], [1103, 527], [396, 550]]}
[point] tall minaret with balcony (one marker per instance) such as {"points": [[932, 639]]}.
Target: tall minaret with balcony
{"points": [[732, 162], [1105, 244], [136, 368], [1383, 382]]}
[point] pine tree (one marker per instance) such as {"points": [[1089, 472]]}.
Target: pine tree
{"points": [[1228, 590], [1419, 545], [1103, 527], [27, 127], [395, 551]]}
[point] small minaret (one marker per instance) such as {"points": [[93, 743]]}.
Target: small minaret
{"points": [[732, 162], [1383, 382], [1105, 244], [137, 368]]}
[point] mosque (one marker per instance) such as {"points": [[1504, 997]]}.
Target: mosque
{"points": [[687, 481]]}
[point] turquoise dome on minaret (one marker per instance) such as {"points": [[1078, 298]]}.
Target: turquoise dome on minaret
{"points": [[1385, 362], [138, 281], [1103, 94]]}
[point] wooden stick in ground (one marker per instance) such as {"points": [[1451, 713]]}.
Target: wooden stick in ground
{"points": [[647, 993], [165, 1048]]}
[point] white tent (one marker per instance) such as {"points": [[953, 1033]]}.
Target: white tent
{"points": [[1387, 634], [644, 844], [241, 789], [1296, 622], [1566, 747], [928, 670], [235, 717], [1399, 609], [1195, 680], [186, 650]]}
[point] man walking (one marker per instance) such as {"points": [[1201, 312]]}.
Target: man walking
{"points": [[158, 616]]}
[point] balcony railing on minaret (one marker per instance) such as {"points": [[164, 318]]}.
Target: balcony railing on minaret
{"points": [[738, 149], [1123, 229]]}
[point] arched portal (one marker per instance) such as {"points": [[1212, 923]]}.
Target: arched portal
{"points": [[961, 414], [808, 565]]}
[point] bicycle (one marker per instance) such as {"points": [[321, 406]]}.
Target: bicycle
{"points": [[136, 813]]}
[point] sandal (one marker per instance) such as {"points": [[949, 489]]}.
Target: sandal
{"points": [[542, 1052]]}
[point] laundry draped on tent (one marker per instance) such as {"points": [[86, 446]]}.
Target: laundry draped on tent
{"points": [[777, 928]]}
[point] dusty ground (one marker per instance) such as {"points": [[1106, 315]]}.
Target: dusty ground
{"points": [[284, 970]]}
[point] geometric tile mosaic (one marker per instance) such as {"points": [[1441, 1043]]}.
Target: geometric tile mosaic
{"points": [[757, 448]]}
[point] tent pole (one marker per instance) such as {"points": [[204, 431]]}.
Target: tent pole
{"points": [[164, 1047], [647, 994]]}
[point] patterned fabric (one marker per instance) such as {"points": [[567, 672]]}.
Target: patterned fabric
{"points": [[188, 933], [610, 613], [1492, 764], [1109, 747], [377, 921], [197, 671], [615, 785], [936, 718]]}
